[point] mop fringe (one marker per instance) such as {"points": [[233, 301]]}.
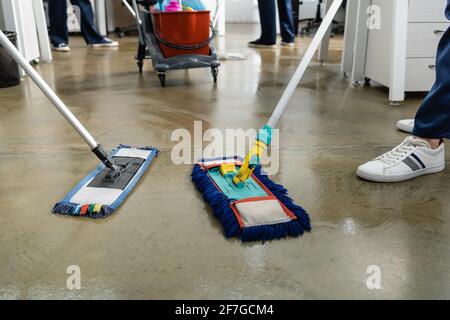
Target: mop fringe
{"points": [[127, 146], [73, 209], [217, 200], [94, 211], [222, 210]]}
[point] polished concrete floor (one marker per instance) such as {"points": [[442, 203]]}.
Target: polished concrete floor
{"points": [[164, 242]]}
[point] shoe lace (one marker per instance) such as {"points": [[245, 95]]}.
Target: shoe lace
{"points": [[398, 153]]}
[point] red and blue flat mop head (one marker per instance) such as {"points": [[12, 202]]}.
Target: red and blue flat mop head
{"points": [[252, 209], [248, 203]]}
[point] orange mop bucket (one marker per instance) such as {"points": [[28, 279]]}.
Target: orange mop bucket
{"points": [[183, 32]]}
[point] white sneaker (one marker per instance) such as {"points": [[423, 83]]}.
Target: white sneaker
{"points": [[106, 43], [406, 125], [414, 157], [62, 47]]}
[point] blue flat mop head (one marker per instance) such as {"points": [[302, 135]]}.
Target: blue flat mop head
{"points": [[98, 197], [260, 210]]}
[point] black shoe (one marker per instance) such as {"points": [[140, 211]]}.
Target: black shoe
{"points": [[260, 44]]}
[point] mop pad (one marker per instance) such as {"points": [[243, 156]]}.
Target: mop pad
{"points": [[224, 56], [97, 197], [260, 210]]}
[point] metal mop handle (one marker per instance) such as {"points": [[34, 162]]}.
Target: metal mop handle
{"points": [[298, 75], [264, 137], [56, 101], [130, 8], [137, 16]]}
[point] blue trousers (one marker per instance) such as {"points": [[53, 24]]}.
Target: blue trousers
{"points": [[267, 16], [59, 33], [433, 118]]}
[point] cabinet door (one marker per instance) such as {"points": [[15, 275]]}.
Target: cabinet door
{"points": [[19, 17], [427, 10], [379, 45], [420, 74], [423, 39]]}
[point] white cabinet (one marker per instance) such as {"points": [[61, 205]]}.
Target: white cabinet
{"points": [[427, 11], [401, 53], [423, 39], [27, 19]]}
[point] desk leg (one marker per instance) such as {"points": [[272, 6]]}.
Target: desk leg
{"points": [[359, 50], [324, 47], [221, 26], [399, 47], [349, 36], [41, 26]]}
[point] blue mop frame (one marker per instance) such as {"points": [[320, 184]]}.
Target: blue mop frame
{"points": [[220, 204], [65, 207]]}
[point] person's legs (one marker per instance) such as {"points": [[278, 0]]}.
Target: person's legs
{"points": [[87, 23], [286, 17], [433, 118], [267, 17], [57, 11]]}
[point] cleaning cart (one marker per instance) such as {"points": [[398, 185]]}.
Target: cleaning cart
{"points": [[175, 40]]}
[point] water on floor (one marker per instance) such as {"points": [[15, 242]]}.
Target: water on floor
{"points": [[164, 241]]}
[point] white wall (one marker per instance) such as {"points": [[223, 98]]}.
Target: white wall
{"points": [[247, 10], [309, 9], [2, 22], [242, 11]]}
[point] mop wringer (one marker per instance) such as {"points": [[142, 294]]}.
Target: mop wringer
{"points": [[248, 204]]}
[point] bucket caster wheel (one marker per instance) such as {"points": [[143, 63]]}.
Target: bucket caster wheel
{"points": [[140, 65], [215, 73], [367, 81], [162, 78]]}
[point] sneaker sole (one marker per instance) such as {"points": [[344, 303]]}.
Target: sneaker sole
{"points": [[262, 46], [398, 178], [61, 50], [103, 46]]}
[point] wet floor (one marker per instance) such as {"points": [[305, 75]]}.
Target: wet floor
{"points": [[164, 242]]}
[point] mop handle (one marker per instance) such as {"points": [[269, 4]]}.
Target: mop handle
{"points": [[137, 15], [127, 5], [298, 75], [51, 95]]}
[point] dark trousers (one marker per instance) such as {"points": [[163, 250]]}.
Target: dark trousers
{"points": [[59, 33], [267, 15], [433, 117]]}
